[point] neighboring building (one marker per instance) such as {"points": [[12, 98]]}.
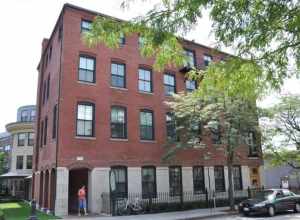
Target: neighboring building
{"points": [[5, 146], [22, 140], [275, 175], [101, 110]]}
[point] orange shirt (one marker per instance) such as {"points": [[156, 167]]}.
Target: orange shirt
{"points": [[81, 194]]}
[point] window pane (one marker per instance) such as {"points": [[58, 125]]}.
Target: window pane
{"points": [[90, 64], [88, 128], [80, 127]]}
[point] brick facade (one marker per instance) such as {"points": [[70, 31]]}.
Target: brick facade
{"points": [[67, 152]]}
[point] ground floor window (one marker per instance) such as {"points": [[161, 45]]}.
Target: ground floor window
{"points": [[121, 182], [148, 182], [237, 177], [219, 179], [198, 179], [175, 181]]}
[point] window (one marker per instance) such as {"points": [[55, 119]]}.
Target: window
{"points": [[41, 134], [21, 139], [251, 142], [219, 179], [237, 177], [122, 39], [24, 116], [32, 115], [190, 85], [171, 126], [148, 182], [190, 58], [86, 26], [175, 181], [207, 59], [216, 135], [54, 122], [19, 165], [120, 174], [145, 80], [141, 42], [44, 92], [30, 139], [118, 75], [29, 162], [48, 87], [118, 122], [169, 84], [86, 69], [146, 125], [60, 32], [45, 130], [50, 53], [85, 119], [198, 179]]}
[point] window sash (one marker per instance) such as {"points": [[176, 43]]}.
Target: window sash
{"points": [[237, 177], [148, 182], [85, 120], [24, 116], [219, 179], [85, 26], [198, 179], [118, 122], [207, 59], [145, 80], [169, 84], [190, 56], [19, 165], [29, 162], [175, 181], [121, 181], [171, 126], [30, 139], [190, 85], [21, 139], [86, 69]]}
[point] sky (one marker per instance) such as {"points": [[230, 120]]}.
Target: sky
{"points": [[25, 23]]}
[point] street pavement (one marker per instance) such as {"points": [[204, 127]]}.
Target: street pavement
{"points": [[285, 216]]}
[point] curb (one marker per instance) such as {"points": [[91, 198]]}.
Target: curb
{"points": [[210, 216]]}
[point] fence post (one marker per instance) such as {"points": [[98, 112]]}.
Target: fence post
{"points": [[249, 192], [206, 197]]}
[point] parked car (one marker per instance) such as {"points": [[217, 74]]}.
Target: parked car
{"points": [[270, 202]]}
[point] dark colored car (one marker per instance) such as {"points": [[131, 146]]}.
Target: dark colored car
{"points": [[271, 201]]}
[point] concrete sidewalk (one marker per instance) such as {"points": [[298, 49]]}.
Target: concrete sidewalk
{"points": [[180, 215]]}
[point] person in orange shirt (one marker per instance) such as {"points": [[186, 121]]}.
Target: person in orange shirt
{"points": [[82, 200]]}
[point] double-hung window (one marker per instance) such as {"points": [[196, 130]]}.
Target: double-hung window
{"points": [[219, 179], [122, 39], [207, 59], [251, 142], [237, 177], [171, 126], [198, 179], [24, 116], [148, 182], [86, 69], [118, 122], [21, 139], [175, 181], [32, 115], [85, 119], [145, 80], [169, 84], [19, 165], [146, 125], [190, 58], [120, 180], [30, 139], [118, 75], [190, 85], [86, 26], [29, 162]]}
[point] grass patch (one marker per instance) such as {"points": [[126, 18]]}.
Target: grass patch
{"points": [[21, 211]]}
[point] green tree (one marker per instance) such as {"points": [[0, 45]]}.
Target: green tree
{"points": [[281, 132], [267, 32], [221, 108]]}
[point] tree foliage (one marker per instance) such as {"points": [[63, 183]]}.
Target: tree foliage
{"points": [[266, 32], [282, 131]]}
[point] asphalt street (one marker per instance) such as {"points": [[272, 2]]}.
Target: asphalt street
{"points": [[285, 216]]}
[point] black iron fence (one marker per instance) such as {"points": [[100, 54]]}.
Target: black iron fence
{"points": [[164, 202]]}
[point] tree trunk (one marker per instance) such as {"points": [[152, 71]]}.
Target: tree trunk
{"points": [[230, 183]]}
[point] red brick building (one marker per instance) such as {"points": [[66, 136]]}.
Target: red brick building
{"points": [[100, 110]]}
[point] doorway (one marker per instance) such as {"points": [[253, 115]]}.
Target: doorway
{"points": [[77, 178]]}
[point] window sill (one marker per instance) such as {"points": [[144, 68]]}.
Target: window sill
{"points": [[86, 83], [146, 93], [119, 139], [119, 88], [85, 138], [148, 141]]}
